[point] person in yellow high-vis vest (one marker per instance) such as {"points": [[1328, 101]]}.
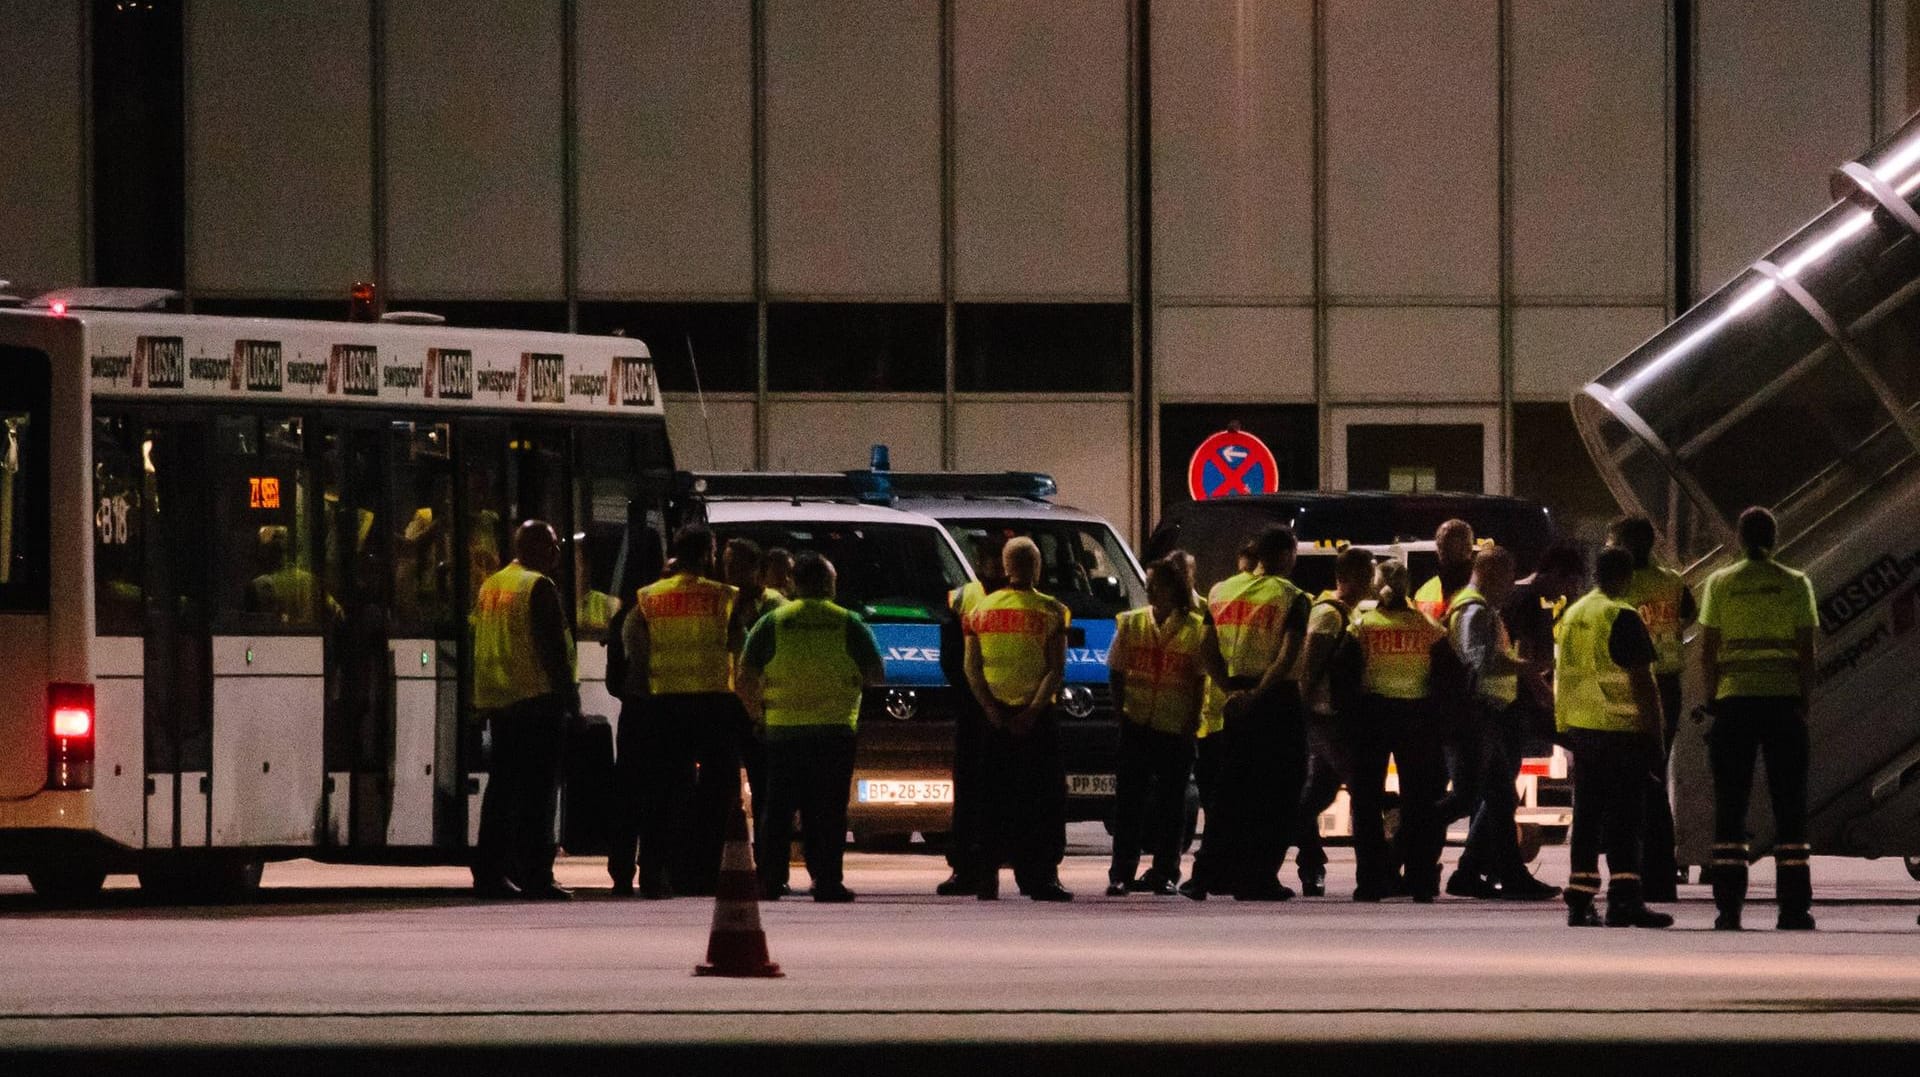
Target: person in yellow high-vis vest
{"points": [[1016, 659], [1607, 707], [969, 724], [1490, 738], [741, 563], [1159, 663], [1332, 737], [1213, 711], [1758, 618], [680, 640], [1261, 620], [1666, 607], [525, 684], [804, 666], [1396, 706], [1453, 548]]}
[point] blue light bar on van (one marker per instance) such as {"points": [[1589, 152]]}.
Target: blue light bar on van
{"points": [[872, 487]]}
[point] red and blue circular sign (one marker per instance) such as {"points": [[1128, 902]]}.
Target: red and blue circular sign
{"points": [[1232, 463]]}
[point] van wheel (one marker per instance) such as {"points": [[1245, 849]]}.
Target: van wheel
{"points": [[1913, 868], [68, 884]]}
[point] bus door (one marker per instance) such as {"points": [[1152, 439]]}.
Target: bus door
{"points": [[510, 472], [426, 802], [272, 612], [151, 610]]}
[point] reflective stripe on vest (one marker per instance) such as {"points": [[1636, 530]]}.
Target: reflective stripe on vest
{"points": [[1164, 684], [1399, 649], [1249, 613], [687, 618], [1013, 627], [811, 680], [1502, 687], [1590, 690], [506, 661], [1655, 593], [1757, 607]]}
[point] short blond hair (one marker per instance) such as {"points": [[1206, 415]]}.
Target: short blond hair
{"points": [[1021, 560]]}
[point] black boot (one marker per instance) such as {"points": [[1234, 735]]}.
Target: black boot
{"points": [[1625, 908], [1794, 885], [1729, 886], [1582, 888]]}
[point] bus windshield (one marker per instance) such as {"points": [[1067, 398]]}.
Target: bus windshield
{"points": [[1082, 563], [888, 573], [25, 397]]}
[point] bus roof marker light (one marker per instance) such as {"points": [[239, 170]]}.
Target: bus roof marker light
{"points": [[58, 307]]}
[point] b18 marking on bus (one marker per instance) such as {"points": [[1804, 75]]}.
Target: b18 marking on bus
{"points": [[632, 383], [257, 363], [159, 362], [543, 378], [354, 369], [449, 374]]}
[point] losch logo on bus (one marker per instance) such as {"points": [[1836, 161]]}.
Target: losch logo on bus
{"points": [[257, 364], [354, 369], [449, 374], [632, 383], [160, 362], [543, 378], [1852, 599]]}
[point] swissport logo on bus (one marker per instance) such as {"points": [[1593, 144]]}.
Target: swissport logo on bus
{"points": [[543, 378]]}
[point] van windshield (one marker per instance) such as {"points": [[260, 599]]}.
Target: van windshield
{"points": [[1082, 564], [26, 387], [888, 573]]}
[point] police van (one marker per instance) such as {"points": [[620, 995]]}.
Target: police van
{"points": [[895, 569], [1390, 526], [1086, 565]]}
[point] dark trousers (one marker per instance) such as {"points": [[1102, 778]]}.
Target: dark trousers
{"points": [[1413, 733], [523, 787], [1745, 727], [1657, 863], [1262, 768], [1329, 766], [969, 742], [1610, 775], [808, 774], [753, 760], [677, 779], [1150, 797], [1490, 744], [1023, 807], [1206, 771]]}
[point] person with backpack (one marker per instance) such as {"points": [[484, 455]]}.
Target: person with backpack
{"points": [[1397, 709], [1332, 679], [1161, 657]]}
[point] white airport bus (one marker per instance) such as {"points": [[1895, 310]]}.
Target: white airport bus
{"points": [[236, 561]]}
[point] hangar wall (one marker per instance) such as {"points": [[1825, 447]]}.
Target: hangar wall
{"points": [[994, 233]]}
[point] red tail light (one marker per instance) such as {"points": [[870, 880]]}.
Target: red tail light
{"points": [[70, 736]]}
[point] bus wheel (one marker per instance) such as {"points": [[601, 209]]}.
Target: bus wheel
{"points": [[1913, 868], [68, 884], [202, 881]]}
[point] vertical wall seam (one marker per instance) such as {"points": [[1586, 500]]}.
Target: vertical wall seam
{"points": [[950, 337], [757, 28], [83, 45], [1324, 416], [1503, 202], [186, 154], [1140, 254], [1876, 69], [377, 149], [569, 162]]}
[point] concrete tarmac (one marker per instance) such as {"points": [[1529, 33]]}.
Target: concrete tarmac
{"points": [[402, 963]]}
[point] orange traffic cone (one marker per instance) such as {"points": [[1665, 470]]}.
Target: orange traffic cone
{"points": [[737, 946]]}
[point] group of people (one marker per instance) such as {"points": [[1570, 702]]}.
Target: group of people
{"points": [[1269, 698]]}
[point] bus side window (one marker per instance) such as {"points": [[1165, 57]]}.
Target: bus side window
{"points": [[264, 578], [606, 562], [119, 479], [26, 397], [423, 559]]}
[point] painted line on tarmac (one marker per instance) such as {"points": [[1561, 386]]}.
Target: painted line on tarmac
{"points": [[1786, 1007]]}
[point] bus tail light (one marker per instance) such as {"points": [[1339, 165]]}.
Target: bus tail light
{"points": [[70, 736]]}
